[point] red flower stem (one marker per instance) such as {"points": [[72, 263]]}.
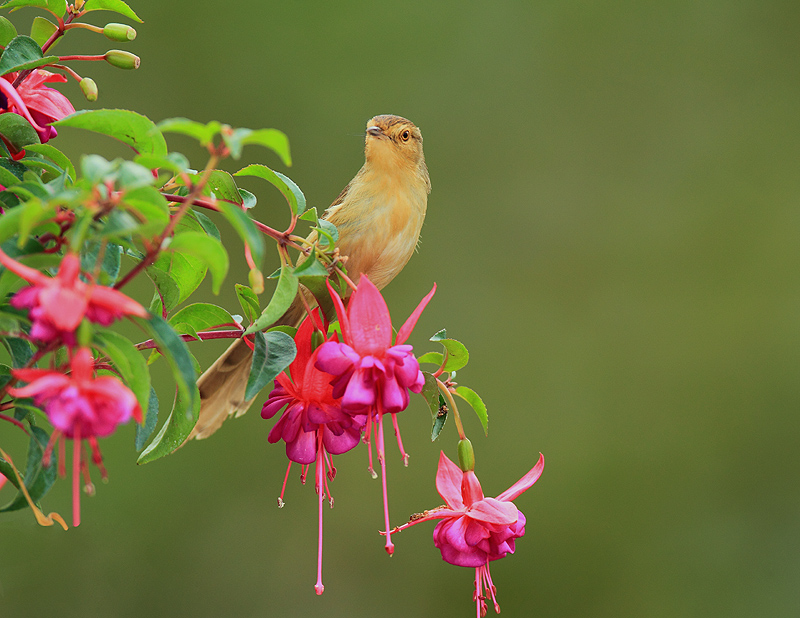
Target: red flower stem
{"points": [[347, 279], [319, 587], [81, 57], [382, 461], [65, 68], [15, 422], [283, 487], [76, 476], [59, 32], [204, 336], [91, 27], [403, 453], [452, 402]]}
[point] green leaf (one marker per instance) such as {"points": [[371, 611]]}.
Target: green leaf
{"points": [[434, 358], [436, 403], [7, 178], [109, 268], [203, 133], [168, 294], [145, 430], [202, 316], [177, 354], [328, 231], [176, 429], [248, 200], [472, 398], [34, 211], [310, 215], [224, 187], [41, 30], [9, 222], [133, 129], [18, 131], [273, 353], [38, 479], [313, 275], [249, 302], [173, 162], [245, 227], [19, 349], [186, 271], [56, 7], [274, 140], [7, 31], [118, 6], [21, 53], [207, 224], [294, 196], [130, 363], [456, 354], [56, 156], [281, 300], [207, 249]]}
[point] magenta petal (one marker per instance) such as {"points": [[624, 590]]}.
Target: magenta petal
{"points": [[303, 449], [336, 445], [525, 482], [474, 532], [448, 482], [370, 324], [395, 399], [360, 391], [335, 358], [276, 433], [411, 322], [494, 511]]}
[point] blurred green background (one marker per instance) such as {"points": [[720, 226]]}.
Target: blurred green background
{"points": [[614, 230]]}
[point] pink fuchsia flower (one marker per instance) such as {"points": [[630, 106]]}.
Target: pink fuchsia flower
{"points": [[476, 530], [369, 371], [34, 101], [58, 304], [313, 425], [80, 407]]}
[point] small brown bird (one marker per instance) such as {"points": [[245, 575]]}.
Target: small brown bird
{"points": [[379, 216]]}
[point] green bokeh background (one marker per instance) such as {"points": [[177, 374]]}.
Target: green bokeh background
{"points": [[614, 230]]}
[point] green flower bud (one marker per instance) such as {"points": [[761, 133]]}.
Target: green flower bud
{"points": [[119, 32], [122, 59], [89, 89], [256, 279], [466, 456]]}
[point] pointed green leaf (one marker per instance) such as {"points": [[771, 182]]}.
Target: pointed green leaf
{"points": [[38, 479], [203, 133], [436, 403], [145, 430], [294, 196], [310, 215], [176, 429], [249, 302], [18, 131], [133, 129], [56, 156], [273, 353], [7, 31], [224, 187], [434, 358], [173, 162], [21, 53], [472, 398], [274, 140], [41, 30], [118, 6], [207, 249], [281, 300], [202, 316], [177, 354], [245, 227]]}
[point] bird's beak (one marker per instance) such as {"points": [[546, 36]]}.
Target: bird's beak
{"points": [[376, 131]]}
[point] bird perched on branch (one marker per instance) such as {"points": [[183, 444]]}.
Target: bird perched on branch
{"points": [[379, 216]]}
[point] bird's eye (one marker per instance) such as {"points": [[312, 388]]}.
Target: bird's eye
{"points": [[405, 135]]}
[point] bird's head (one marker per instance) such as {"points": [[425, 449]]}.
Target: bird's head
{"points": [[395, 142]]}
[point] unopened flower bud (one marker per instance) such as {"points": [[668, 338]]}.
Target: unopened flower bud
{"points": [[119, 32], [256, 280], [89, 89], [466, 456], [122, 59]]}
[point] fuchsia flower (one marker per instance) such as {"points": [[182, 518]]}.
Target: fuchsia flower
{"points": [[371, 372], [476, 530], [313, 424], [58, 304], [34, 101], [80, 407]]}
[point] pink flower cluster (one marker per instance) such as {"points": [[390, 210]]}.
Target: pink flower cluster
{"points": [[77, 404]]}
